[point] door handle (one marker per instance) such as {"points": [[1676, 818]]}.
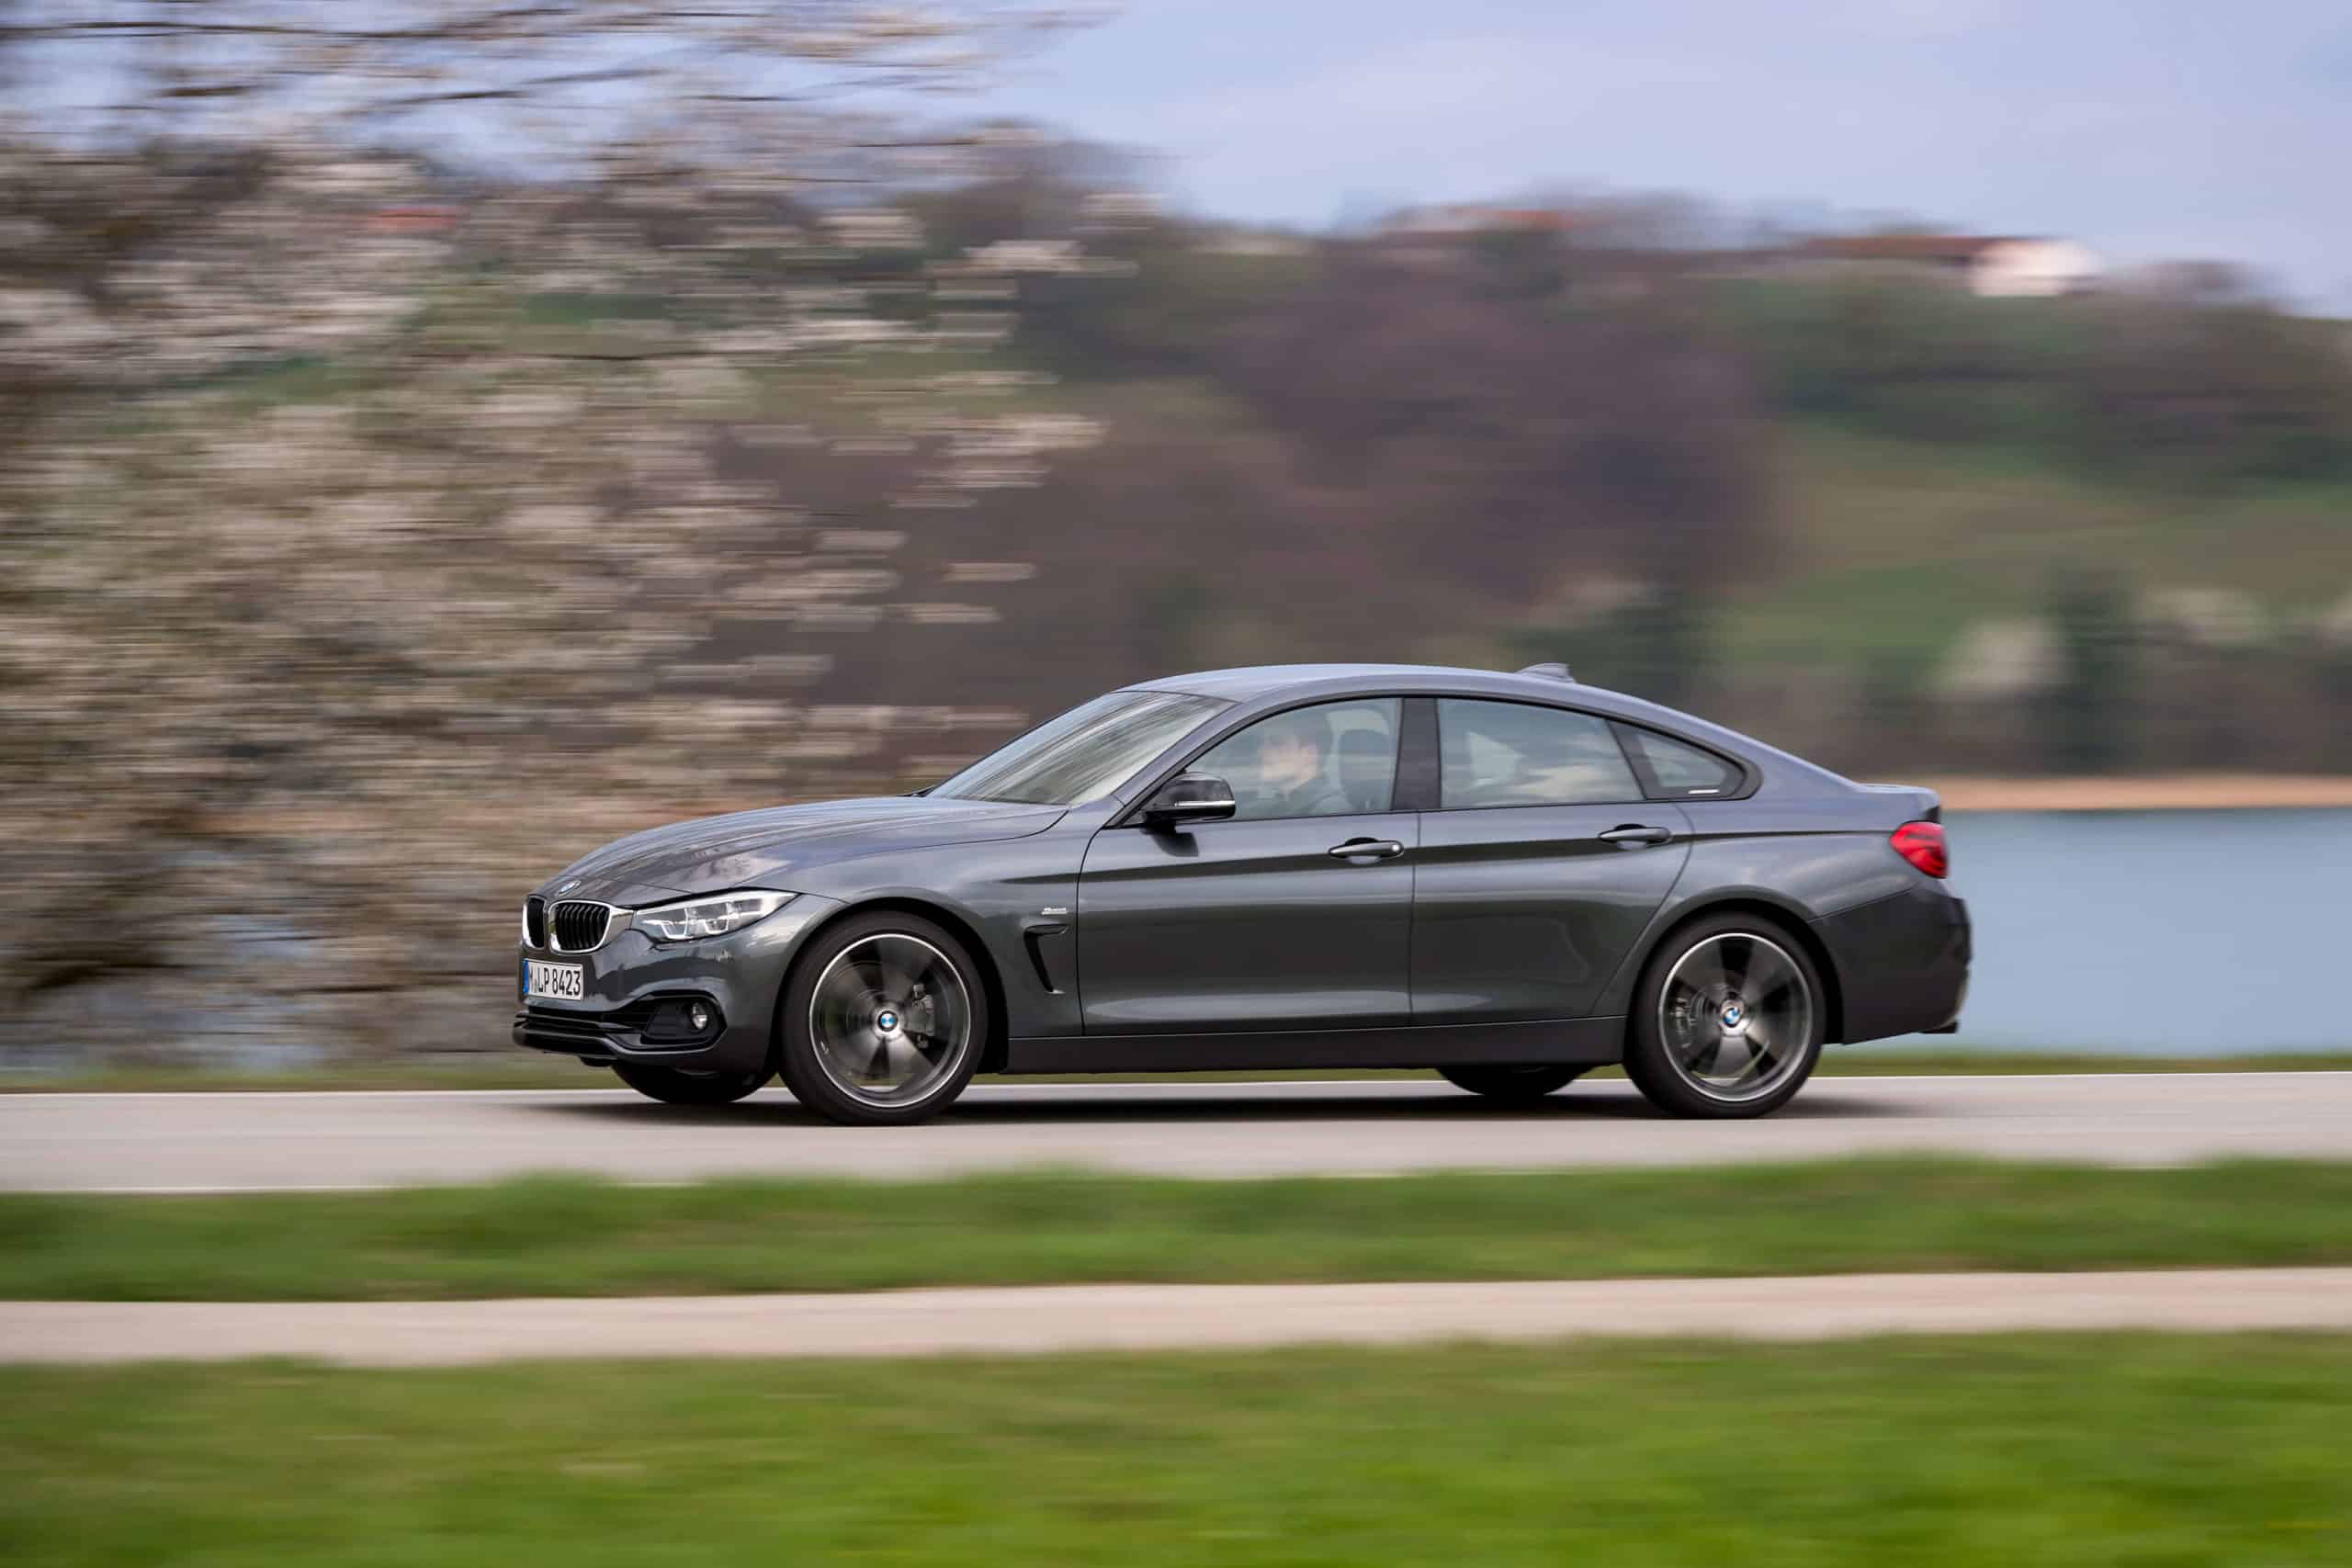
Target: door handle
{"points": [[1634, 833], [1367, 849]]}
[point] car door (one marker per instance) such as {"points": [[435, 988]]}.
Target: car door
{"points": [[1539, 870], [1295, 913]]}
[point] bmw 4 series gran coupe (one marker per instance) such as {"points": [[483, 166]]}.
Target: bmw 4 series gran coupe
{"points": [[1508, 878]]}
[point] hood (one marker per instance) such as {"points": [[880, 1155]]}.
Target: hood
{"points": [[763, 848]]}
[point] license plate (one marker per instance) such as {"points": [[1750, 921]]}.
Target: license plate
{"points": [[564, 982]]}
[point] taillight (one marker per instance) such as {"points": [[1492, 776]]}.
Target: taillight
{"points": [[1922, 843]]}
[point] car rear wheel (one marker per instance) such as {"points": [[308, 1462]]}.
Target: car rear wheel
{"points": [[672, 1086], [1729, 1020], [883, 1020], [1516, 1085]]}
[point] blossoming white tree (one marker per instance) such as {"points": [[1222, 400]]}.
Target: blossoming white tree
{"points": [[363, 523]]}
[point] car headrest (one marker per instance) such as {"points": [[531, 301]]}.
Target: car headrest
{"points": [[1366, 761]]}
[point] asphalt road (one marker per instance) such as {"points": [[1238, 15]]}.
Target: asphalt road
{"points": [[235, 1142], [1030, 1319]]}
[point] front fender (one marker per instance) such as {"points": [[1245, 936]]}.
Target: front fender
{"points": [[1012, 899]]}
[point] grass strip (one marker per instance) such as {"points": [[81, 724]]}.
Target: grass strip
{"points": [[584, 1236], [2019, 1451]]}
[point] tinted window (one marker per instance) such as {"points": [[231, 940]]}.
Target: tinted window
{"points": [[1084, 754], [1677, 768], [1327, 761], [1517, 754]]}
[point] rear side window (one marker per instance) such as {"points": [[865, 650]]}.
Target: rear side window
{"points": [[1520, 754], [1677, 768]]}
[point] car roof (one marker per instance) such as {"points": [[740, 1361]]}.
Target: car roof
{"points": [[1252, 681]]}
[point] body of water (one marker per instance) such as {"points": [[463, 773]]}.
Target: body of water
{"points": [[2167, 932]]}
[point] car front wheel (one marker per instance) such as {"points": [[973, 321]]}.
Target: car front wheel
{"points": [[1729, 1020], [883, 1020]]}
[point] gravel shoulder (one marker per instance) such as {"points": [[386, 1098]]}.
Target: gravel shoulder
{"points": [[1058, 1318]]}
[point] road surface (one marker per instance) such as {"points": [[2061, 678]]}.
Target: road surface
{"points": [[238, 1142], [1030, 1319]]}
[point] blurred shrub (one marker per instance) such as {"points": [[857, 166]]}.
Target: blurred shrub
{"points": [[1653, 644]]}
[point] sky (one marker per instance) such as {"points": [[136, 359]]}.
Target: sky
{"points": [[2149, 130]]}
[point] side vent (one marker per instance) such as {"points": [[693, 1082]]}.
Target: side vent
{"points": [[1033, 937]]}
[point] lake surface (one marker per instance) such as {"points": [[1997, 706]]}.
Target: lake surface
{"points": [[2171, 932]]}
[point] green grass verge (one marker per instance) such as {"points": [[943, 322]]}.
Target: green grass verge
{"points": [[2021, 1451], [537, 1072], [566, 1235]]}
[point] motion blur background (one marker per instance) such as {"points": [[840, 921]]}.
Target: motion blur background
{"points": [[437, 436]]}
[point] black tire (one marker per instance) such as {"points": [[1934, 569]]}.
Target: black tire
{"points": [[673, 1087], [1519, 1085], [1683, 1085], [814, 1070]]}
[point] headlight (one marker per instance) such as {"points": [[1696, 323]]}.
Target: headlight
{"points": [[699, 917]]}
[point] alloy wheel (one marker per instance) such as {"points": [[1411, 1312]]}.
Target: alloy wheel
{"points": [[1735, 1017], [890, 1020]]}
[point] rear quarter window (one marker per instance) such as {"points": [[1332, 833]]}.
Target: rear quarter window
{"points": [[1678, 770]]}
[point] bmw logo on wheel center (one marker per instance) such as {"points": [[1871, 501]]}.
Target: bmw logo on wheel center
{"points": [[1514, 878]]}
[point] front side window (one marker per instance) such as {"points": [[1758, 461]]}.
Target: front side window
{"points": [[1520, 754], [1333, 760], [1084, 754]]}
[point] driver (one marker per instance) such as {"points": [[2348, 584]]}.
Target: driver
{"points": [[1291, 767]]}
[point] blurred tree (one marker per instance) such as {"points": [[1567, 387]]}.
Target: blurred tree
{"points": [[363, 528], [1503, 447], [1653, 644], [1893, 700], [2227, 391], [2090, 714], [2205, 382], [2330, 676], [542, 77]]}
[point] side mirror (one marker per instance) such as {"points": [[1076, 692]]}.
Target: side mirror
{"points": [[1188, 797]]}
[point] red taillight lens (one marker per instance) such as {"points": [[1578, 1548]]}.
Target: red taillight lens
{"points": [[1922, 843]]}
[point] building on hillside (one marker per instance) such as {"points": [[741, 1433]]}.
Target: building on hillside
{"points": [[1993, 266]]}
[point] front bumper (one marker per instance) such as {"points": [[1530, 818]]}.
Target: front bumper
{"points": [[738, 976]]}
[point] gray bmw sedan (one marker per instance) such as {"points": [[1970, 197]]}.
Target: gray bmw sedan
{"points": [[1511, 879]]}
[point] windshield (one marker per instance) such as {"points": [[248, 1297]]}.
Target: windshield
{"points": [[1084, 754]]}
